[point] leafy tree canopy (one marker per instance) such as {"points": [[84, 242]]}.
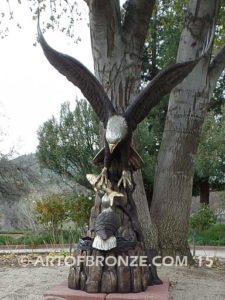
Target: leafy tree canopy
{"points": [[67, 145], [160, 50]]}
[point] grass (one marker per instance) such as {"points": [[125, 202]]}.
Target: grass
{"points": [[6, 240], [42, 238], [214, 236]]}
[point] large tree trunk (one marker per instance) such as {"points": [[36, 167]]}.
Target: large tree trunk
{"points": [[187, 108], [204, 191], [117, 51]]}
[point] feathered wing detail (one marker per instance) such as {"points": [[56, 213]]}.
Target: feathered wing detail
{"points": [[81, 77], [160, 86]]}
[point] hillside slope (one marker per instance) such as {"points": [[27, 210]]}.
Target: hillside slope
{"points": [[16, 208]]}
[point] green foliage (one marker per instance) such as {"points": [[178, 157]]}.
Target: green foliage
{"points": [[6, 240], [210, 161], [220, 32], [51, 211], [42, 238], [54, 210], [218, 99], [47, 237], [67, 146], [213, 236], [79, 208], [202, 219], [150, 132], [160, 51], [163, 37]]}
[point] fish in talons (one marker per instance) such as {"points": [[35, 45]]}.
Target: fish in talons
{"points": [[92, 178]]}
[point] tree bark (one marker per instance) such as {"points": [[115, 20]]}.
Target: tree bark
{"points": [[187, 108], [204, 191], [117, 51]]}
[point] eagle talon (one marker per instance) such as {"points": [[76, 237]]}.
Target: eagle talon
{"points": [[125, 180], [102, 178]]}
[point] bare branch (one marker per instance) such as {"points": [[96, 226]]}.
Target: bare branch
{"points": [[216, 67], [136, 22]]}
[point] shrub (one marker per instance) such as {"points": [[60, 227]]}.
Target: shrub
{"points": [[52, 212], [6, 240], [79, 208], [213, 236], [202, 219], [42, 238], [46, 237]]}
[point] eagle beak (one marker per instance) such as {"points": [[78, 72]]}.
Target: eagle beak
{"points": [[112, 147]]}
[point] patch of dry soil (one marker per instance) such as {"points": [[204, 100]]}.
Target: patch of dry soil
{"points": [[191, 283], [29, 283]]}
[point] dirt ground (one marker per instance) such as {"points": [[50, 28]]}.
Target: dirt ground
{"points": [[195, 283], [18, 283]]}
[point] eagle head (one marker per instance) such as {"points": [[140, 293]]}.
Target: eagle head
{"points": [[116, 131]]}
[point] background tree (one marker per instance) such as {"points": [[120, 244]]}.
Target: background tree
{"points": [[67, 146], [159, 51], [188, 106], [210, 163], [162, 40], [79, 208]]}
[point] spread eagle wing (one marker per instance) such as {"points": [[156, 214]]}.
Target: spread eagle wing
{"points": [[81, 77], [162, 84]]}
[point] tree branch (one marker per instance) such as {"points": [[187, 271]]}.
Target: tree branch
{"points": [[216, 67], [105, 23], [136, 22]]}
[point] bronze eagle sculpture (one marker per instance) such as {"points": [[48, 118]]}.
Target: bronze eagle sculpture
{"points": [[118, 127]]}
